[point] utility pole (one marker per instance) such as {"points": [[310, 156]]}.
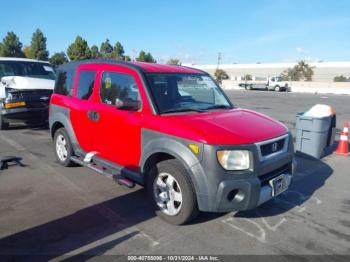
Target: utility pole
{"points": [[219, 59], [217, 67]]}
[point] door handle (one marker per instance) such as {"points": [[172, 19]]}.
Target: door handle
{"points": [[93, 115]]}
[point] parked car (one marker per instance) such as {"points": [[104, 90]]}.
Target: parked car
{"points": [[274, 83], [25, 89], [171, 129]]}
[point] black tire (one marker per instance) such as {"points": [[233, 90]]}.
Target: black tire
{"points": [[67, 162], [189, 208], [3, 125], [277, 88]]}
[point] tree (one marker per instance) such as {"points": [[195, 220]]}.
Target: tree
{"points": [[141, 57], [173, 61], [95, 53], [11, 46], [118, 51], [58, 59], [79, 50], [38, 46], [26, 51], [300, 72], [220, 75], [248, 77], [145, 57], [106, 49], [341, 78], [127, 58]]}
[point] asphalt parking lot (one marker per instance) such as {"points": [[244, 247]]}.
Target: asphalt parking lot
{"points": [[46, 209]]}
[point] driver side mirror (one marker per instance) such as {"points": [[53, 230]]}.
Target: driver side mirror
{"points": [[127, 104]]}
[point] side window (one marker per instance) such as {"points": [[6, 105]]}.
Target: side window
{"points": [[64, 83], [116, 85], [85, 84]]}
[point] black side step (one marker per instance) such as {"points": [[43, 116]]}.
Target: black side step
{"points": [[107, 172]]}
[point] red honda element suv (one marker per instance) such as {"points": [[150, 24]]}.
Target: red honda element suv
{"points": [[174, 131]]}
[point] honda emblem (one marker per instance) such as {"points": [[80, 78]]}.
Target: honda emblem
{"points": [[274, 147]]}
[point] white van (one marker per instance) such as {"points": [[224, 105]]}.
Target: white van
{"points": [[26, 86]]}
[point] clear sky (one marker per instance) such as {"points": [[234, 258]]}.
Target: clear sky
{"points": [[193, 31]]}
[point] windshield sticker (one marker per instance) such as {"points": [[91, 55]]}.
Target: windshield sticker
{"points": [[108, 83], [48, 68]]}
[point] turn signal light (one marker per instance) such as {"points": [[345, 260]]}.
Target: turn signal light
{"points": [[15, 104], [194, 148]]}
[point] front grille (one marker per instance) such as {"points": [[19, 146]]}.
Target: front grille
{"points": [[265, 178], [273, 147], [36, 98]]}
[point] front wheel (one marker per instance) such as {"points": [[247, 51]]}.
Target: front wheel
{"points": [[277, 88], [171, 191]]}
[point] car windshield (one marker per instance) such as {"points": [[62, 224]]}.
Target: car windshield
{"points": [[186, 92], [27, 69]]}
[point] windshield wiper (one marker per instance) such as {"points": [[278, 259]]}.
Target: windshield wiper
{"points": [[177, 110], [218, 107]]}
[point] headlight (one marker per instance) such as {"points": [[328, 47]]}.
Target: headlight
{"points": [[10, 95], [234, 160]]}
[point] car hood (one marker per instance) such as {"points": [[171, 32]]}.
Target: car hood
{"points": [[27, 83], [236, 126]]}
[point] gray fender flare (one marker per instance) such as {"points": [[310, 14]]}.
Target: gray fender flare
{"points": [[181, 152]]}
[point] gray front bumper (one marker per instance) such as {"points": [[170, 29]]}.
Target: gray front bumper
{"points": [[219, 190]]}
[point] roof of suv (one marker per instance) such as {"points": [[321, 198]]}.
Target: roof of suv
{"points": [[141, 66]]}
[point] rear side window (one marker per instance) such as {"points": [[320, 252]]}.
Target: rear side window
{"points": [[85, 84], [64, 83], [116, 85]]}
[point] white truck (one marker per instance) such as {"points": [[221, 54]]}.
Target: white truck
{"points": [[274, 83]]}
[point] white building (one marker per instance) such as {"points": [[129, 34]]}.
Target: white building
{"points": [[323, 71]]}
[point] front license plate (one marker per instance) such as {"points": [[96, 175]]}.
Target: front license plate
{"points": [[278, 184]]}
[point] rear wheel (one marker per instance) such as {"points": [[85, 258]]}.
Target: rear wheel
{"points": [[63, 147], [277, 88], [171, 191], [3, 125]]}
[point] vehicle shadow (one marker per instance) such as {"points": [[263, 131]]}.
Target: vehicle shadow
{"points": [[84, 227], [311, 175], [330, 149]]}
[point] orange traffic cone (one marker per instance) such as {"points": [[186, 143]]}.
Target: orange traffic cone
{"points": [[343, 147]]}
